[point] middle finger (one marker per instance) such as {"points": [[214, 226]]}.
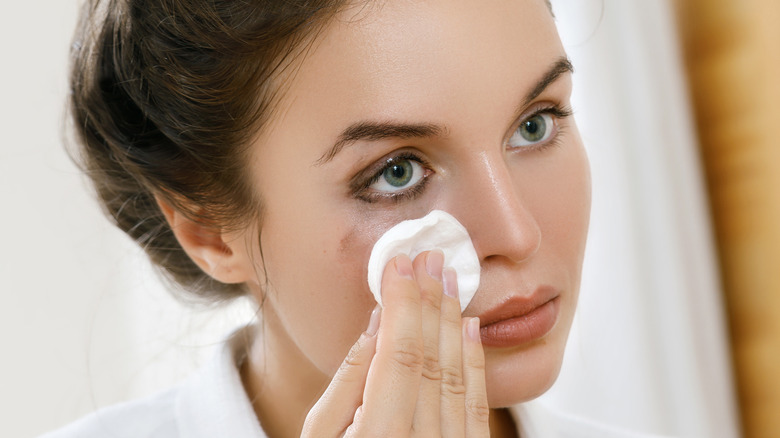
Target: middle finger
{"points": [[428, 272]]}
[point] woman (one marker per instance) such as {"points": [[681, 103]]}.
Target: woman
{"points": [[262, 148]]}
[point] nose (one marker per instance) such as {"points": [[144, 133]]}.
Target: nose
{"points": [[491, 207]]}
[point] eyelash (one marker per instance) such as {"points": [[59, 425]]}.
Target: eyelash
{"points": [[360, 187], [559, 113]]}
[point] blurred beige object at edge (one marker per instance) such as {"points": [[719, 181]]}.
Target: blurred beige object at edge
{"points": [[733, 58]]}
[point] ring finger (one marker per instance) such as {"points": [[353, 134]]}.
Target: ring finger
{"points": [[452, 389]]}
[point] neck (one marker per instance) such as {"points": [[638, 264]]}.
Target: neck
{"points": [[280, 406], [502, 425]]}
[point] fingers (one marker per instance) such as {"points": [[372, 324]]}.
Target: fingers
{"points": [[476, 405], [452, 386], [427, 375], [335, 410], [393, 381], [428, 272]]}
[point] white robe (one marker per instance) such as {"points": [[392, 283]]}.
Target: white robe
{"points": [[213, 404]]}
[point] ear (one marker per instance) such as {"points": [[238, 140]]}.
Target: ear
{"points": [[223, 256]]}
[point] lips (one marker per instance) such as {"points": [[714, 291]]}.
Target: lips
{"points": [[520, 319]]}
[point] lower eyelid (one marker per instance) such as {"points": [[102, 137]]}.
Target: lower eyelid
{"points": [[394, 197], [416, 168], [402, 195], [556, 130]]}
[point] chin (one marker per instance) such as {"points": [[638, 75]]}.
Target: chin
{"points": [[522, 374]]}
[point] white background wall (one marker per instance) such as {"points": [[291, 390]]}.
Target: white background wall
{"points": [[84, 324], [648, 347]]}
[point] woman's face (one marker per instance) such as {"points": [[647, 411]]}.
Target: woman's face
{"points": [[466, 102]]}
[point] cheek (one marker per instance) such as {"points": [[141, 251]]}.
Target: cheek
{"points": [[558, 195], [317, 267], [562, 205]]}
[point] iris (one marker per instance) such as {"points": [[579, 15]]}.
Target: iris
{"points": [[399, 173], [534, 129]]}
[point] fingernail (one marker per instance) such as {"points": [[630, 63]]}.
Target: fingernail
{"points": [[373, 322], [434, 263], [450, 279], [404, 266], [473, 330]]}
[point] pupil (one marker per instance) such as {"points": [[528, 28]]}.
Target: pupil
{"points": [[399, 174], [534, 129]]}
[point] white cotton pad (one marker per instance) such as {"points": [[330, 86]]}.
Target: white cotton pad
{"points": [[437, 230]]}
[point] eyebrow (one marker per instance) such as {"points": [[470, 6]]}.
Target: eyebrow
{"points": [[375, 131], [561, 66]]}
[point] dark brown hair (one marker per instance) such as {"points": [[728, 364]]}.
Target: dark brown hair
{"points": [[166, 96]]}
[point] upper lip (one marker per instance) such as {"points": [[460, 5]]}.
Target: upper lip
{"points": [[518, 305]]}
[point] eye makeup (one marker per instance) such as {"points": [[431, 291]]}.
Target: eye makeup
{"points": [[360, 185], [557, 114]]}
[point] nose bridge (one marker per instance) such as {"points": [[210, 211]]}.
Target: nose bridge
{"points": [[492, 208]]}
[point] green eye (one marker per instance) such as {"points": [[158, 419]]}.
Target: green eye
{"points": [[533, 130], [398, 174]]}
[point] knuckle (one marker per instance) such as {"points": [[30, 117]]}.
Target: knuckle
{"points": [[431, 298], [476, 363], [431, 369], [478, 410], [409, 302], [452, 381], [451, 322], [354, 358], [408, 354], [477, 366]]}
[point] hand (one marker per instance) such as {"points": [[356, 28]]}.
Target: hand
{"points": [[418, 370]]}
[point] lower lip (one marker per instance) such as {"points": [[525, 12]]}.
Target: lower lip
{"points": [[521, 329]]}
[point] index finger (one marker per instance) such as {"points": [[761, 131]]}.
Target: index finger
{"points": [[393, 382]]}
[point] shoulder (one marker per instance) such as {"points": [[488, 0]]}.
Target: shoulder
{"points": [[210, 403], [151, 417], [538, 420]]}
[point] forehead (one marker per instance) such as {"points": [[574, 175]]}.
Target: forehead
{"points": [[412, 59]]}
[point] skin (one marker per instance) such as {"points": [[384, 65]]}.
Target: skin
{"points": [[465, 67]]}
